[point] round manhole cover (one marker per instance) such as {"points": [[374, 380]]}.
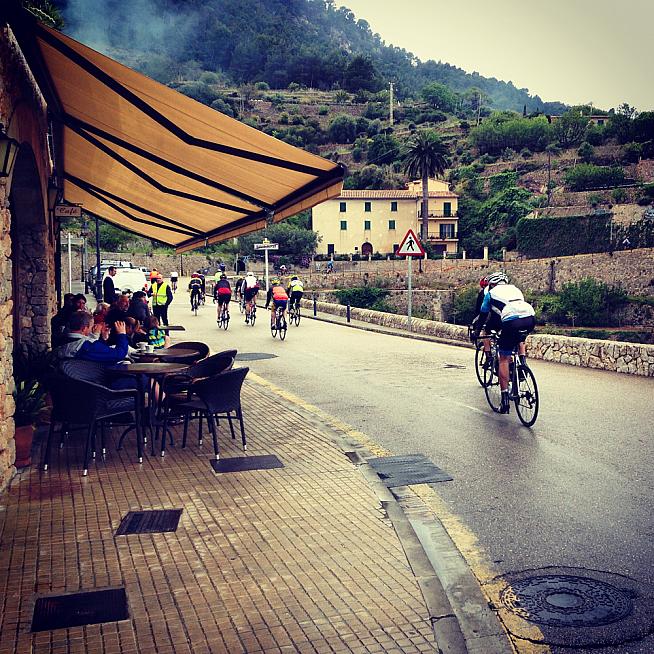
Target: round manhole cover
{"points": [[573, 607], [254, 356], [567, 601]]}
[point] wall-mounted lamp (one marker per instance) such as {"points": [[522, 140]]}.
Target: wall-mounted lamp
{"points": [[54, 190], [8, 151]]}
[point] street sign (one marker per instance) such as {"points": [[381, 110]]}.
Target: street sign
{"points": [[67, 211], [410, 246], [266, 246]]}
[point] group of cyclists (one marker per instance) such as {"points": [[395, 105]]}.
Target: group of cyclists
{"points": [[246, 288]]}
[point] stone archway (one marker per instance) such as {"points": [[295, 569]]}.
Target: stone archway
{"points": [[366, 249], [32, 269]]}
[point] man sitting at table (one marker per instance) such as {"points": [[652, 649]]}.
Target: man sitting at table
{"points": [[80, 343]]}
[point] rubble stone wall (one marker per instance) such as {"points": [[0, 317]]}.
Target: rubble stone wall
{"points": [[627, 358]]}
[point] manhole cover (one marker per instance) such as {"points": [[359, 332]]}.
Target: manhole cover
{"points": [[573, 607], [567, 601], [244, 463], [76, 609], [254, 356], [407, 470], [149, 522]]}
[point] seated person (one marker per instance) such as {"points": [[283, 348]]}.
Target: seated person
{"points": [[138, 307], [118, 311], [80, 343], [100, 314], [157, 337], [59, 320], [135, 333], [79, 302]]}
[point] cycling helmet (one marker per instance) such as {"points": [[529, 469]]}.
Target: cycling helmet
{"points": [[195, 276], [498, 278], [293, 278], [223, 276], [274, 280], [483, 282]]}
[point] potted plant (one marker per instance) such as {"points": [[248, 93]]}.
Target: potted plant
{"points": [[29, 398]]}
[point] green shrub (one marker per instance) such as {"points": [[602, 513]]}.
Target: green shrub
{"points": [[365, 297], [586, 177], [590, 301], [463, 305], [619, 195], [525, 153], [262, 86], [586, 151], [323, 111], [283, 119]]}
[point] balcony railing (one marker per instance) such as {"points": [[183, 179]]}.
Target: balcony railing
{"points": [[441, 237], [439, 214]]}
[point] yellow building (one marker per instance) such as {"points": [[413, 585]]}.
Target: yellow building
{"points": [[364, 222]]}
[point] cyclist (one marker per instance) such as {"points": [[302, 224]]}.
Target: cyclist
{"points": [[276, 293], [250, 288], [483, 289], [222, 293], [295, 291], [203, 289], [173, 280], [195, 288], [505, 309], [238, 287]]}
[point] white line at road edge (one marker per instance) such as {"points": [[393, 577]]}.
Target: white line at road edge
{"points": [[464, 540]]}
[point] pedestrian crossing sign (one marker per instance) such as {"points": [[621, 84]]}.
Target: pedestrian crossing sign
{"points": [[410, 246]]}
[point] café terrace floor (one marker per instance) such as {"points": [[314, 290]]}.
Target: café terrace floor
{"points": [[294, 559]]}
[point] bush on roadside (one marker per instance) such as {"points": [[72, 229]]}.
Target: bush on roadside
{"points": [[366, 297], [463, 306], [590, 301]]}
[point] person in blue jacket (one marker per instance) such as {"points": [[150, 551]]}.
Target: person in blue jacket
{"points": [[81, 343]]}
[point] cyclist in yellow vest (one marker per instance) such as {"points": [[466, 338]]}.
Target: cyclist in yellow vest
{"points": [[276, 294], [295, 291], [162, 296]]}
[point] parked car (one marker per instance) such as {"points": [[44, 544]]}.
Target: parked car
{"points": [[104, 266], [130, 280]]}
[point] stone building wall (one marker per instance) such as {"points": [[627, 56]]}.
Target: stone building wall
{"points": [[23, 202], [626, 358]]}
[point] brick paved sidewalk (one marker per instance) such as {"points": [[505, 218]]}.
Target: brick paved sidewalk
{"points": [[296, 559]]}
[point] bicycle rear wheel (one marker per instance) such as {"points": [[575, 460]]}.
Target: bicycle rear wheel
{"points": [[253, 316], [241, 306], [282, 328], [526, 400], [491, 384], [273, 327]]}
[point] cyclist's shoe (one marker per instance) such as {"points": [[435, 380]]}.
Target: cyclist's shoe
{"points": [[504, 406], [247, 320]]}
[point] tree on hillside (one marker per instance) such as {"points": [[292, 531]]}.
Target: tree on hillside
{"points": [[384, 149], [425, 156], [342, 129], [361, 74], [569, 129], [440, 96]]}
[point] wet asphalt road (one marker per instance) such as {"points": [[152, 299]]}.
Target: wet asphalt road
{"points": [[575, 490]]}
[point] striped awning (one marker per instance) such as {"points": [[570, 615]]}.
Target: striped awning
{"points": [[153, 161]]}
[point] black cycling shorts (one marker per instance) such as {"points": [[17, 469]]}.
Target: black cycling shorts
{"points": [[514, 332], [249, 293], [224, 298]]}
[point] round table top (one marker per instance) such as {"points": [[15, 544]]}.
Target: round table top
{"points": [[153, 368], [164, 352]]}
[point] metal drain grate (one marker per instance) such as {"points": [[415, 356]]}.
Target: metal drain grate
{"points": [[254, 356], [407, 470], [567, 601], [93, 607], [243, 463], [149, 522]]}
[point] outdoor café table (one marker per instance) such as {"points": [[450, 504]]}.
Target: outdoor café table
{"points": [[163, 353], [153, 371]]}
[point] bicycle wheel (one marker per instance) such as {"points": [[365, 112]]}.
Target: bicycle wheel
{"points": [[241, 306], [225, 320], [273, 327], [526, 399], [492, 386], [282, 328], [296, 316], [479, 359], [253, 316]]}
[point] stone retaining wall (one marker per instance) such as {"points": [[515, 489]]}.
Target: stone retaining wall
{"points": [[588, 353]]}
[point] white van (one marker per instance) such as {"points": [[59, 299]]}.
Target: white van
{"points": [[130, 279]]}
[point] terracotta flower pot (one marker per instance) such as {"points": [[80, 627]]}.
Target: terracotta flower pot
{"points": [[24, 437]]}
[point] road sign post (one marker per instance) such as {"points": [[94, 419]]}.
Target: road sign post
{"points": [[410, 247], [265, 246]]}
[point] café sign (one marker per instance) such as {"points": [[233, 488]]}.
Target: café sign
{"points": [[67, 211]]}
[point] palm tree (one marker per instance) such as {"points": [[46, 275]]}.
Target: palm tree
{"points": [[425, 156]]}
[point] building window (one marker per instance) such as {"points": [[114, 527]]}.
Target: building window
{"points": [[367, 207], [447, 209], [396, 247], [330, 248], [343, 207], [366, 225], [391, 224], [447, 231], [600, 122], [393, 207], [343, 224]]}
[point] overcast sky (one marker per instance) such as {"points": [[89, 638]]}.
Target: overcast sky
{"points": [[575, 51]]}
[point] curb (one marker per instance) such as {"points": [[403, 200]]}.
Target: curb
{"points": [[460, 614]]}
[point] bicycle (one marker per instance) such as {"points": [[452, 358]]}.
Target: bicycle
{"points": [[279, 325], [251, 316], [195, 302], [479, 355], [223, 319], [294, 314], [523, 390]]}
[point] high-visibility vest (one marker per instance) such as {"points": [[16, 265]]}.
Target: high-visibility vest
{"points": [[159, 294]]}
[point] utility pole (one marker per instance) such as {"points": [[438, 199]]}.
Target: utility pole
{"points": [[390, 108]]}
